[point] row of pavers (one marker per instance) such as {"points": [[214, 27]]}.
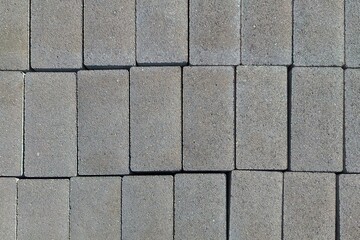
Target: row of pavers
{"points": [[98, 34]]}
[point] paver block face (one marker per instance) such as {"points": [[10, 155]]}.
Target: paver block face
{"points": [[56, 34], [352, 33], [103, 122], [147, 207], [14, 37], [11, 123], [261, 121], [43, 209], [8, 196], [214, 32], [309, 206], [318, 33], [208, 118], [200, 206], [266, 32], [155, 118], [109, 33], [161, 32], [50, 125], [317, 119], [256, 205], [95, 205]]}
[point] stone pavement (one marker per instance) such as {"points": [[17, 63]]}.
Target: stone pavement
{"points": [[179, 119]]}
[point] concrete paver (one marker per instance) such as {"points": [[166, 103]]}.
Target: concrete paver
{"points": [[352, 33], [8, 205]]}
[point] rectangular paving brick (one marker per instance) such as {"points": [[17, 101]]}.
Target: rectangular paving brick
{"points": [[56, 34], [214, 32], [309, 206], [50, 125], [318, 33], [261, 121], [11, 123], [161, 32], [317, 119], [147, 207], [155, 118], [208, 118], [43, 209], [352, 33], [266, 32], [8, 198], [109, 33], [103, 122], [200, 206], [95, 204], [256, 205]]}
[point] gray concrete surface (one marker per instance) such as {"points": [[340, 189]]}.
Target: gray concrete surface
{"points": [[8, 208], [352, 33]]}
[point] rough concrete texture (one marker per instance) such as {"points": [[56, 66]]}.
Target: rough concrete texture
{"points": [[261, 121], [103, 122], [155, 118], [214, 32], [50, 125], [147, 207], [161, 32], [11, 123], [200, 206], [266, 32], [208, 118], [318, 33], [95, 208], [56, 34], [352, 33], [317, 119], [8, 198], [109, 33], [256, 205]]}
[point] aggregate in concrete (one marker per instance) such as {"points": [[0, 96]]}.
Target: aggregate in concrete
{"points": [[261, 121], [352, 33], [103, 122], [8, 198]]}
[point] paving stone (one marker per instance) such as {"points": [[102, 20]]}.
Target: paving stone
{"points": [[317, 119], [56, 34], [8, 197], [162, 32], [266, 32], [318, 33], [43, 209], [95, 204], [261, 124], [214, 32], [147, 207], [256, 205], [309, 206], [11, 123], [208, 118], [109, 33], [14, 37], [155, 118], [50, 125], [103, 122], [352, 33], [200, 206]]}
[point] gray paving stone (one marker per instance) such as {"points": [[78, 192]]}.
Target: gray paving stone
{"points": [[103, 122], [214, 32], [317, 119], [161, 32], [318, 33], [309, 206], [256, 205], [200, 206], [43, 209], [352, 33], [266, 32], [261, 124], [155, 118], [147, 207], [208, 118], [14, 37], [50, 125], [11, 123], [56, 34], [109, 33], [8, 197], [95, 204]]}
